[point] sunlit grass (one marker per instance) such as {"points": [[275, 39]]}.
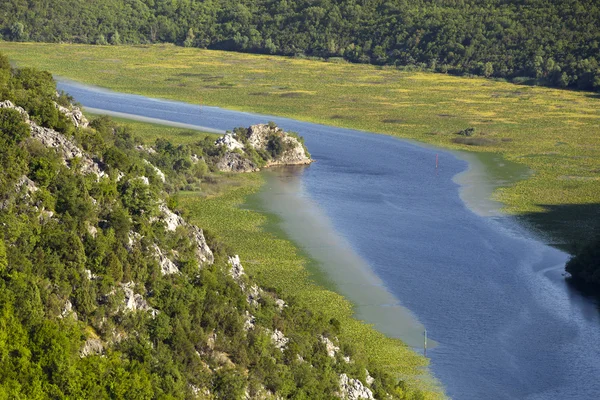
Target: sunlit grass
{"points": [[523, 123]]}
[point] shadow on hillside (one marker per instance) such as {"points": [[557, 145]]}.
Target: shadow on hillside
{"points": [[567, 227], [593, 96]]}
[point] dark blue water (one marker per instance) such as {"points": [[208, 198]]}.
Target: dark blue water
{"points": [[490, 294]]}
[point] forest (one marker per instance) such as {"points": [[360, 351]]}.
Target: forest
{"points": [[100, 298], [553, 43]]}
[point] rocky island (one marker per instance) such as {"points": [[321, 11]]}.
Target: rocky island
{"points": [[261, 145]]}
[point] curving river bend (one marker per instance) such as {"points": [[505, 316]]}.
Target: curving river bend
{"points": [[397, 236]]}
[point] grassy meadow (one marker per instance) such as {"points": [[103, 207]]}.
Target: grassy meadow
{"points": [[276, 262], [556, 133]]}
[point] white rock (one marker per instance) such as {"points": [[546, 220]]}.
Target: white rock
{"points": [[279, 339], [144, 179], [28, 184], [21, 110], [167, 267], [75, 115], [135, 301], [67, 311], [280, 304], [237, 270], [91, 347], [89, 274], [147, 149], [369, 379], [170, 219], [353, 389], [249, 321], [159, 173], [332, 349], [229, 141]]}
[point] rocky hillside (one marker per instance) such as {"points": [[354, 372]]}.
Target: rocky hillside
{"points": [[107, 291], [266, 145]]}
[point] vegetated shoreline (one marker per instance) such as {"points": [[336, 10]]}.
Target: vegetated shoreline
{"points": [[255, 234], [526, 124], [315, 267]]}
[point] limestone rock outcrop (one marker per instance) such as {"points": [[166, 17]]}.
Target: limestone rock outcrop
{"points": [[272, 143], [235, 162], [172, 221], [74, 114], [353, 389], [230, 142], [51, 138]]}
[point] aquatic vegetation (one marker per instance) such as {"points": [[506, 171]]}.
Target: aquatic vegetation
{"points": [[556, 133]]}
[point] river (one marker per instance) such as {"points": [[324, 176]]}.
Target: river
{"points": [[400, 241]]}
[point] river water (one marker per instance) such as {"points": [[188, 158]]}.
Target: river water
{"points": [[394, 234]]}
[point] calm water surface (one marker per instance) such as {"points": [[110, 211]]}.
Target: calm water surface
{"points": [[489, 293]]}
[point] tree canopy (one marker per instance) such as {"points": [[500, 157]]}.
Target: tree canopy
{"points": [[551, 42]]}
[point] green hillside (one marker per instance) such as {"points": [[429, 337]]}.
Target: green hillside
{"points": [[106, 291]]}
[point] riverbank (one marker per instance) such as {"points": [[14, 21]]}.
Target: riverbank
{"points": [[386, 197], [228, 207], [554, 133]]}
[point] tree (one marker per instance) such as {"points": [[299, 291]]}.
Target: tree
{"points": [[17, 31], [115, 39], [3, 258], [189, 39], [12, 127], [488, 69]]}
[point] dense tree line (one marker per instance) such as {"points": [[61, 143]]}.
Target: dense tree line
{"points": [[552, 42]]}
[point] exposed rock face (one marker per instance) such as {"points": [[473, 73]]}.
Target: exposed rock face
{"points": [[172, 221], [159, 173], [27, 184], [74, 114], [249, 321], [135, 301], [203, 252], [235, 162], [370, 379], [353, 389], [230, 142], [169, 218], [259, 137], [279, 339], [50, 138], [237, 270], [332, 349], [253, 293], [92, 347], [21, 110], [167, 267], [67, 311]]}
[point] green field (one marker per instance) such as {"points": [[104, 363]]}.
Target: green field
{"points": [[556, 133]]}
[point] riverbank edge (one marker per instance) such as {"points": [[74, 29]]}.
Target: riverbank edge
{"points": [[256, 236], [518, 199], [292, 276]]}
